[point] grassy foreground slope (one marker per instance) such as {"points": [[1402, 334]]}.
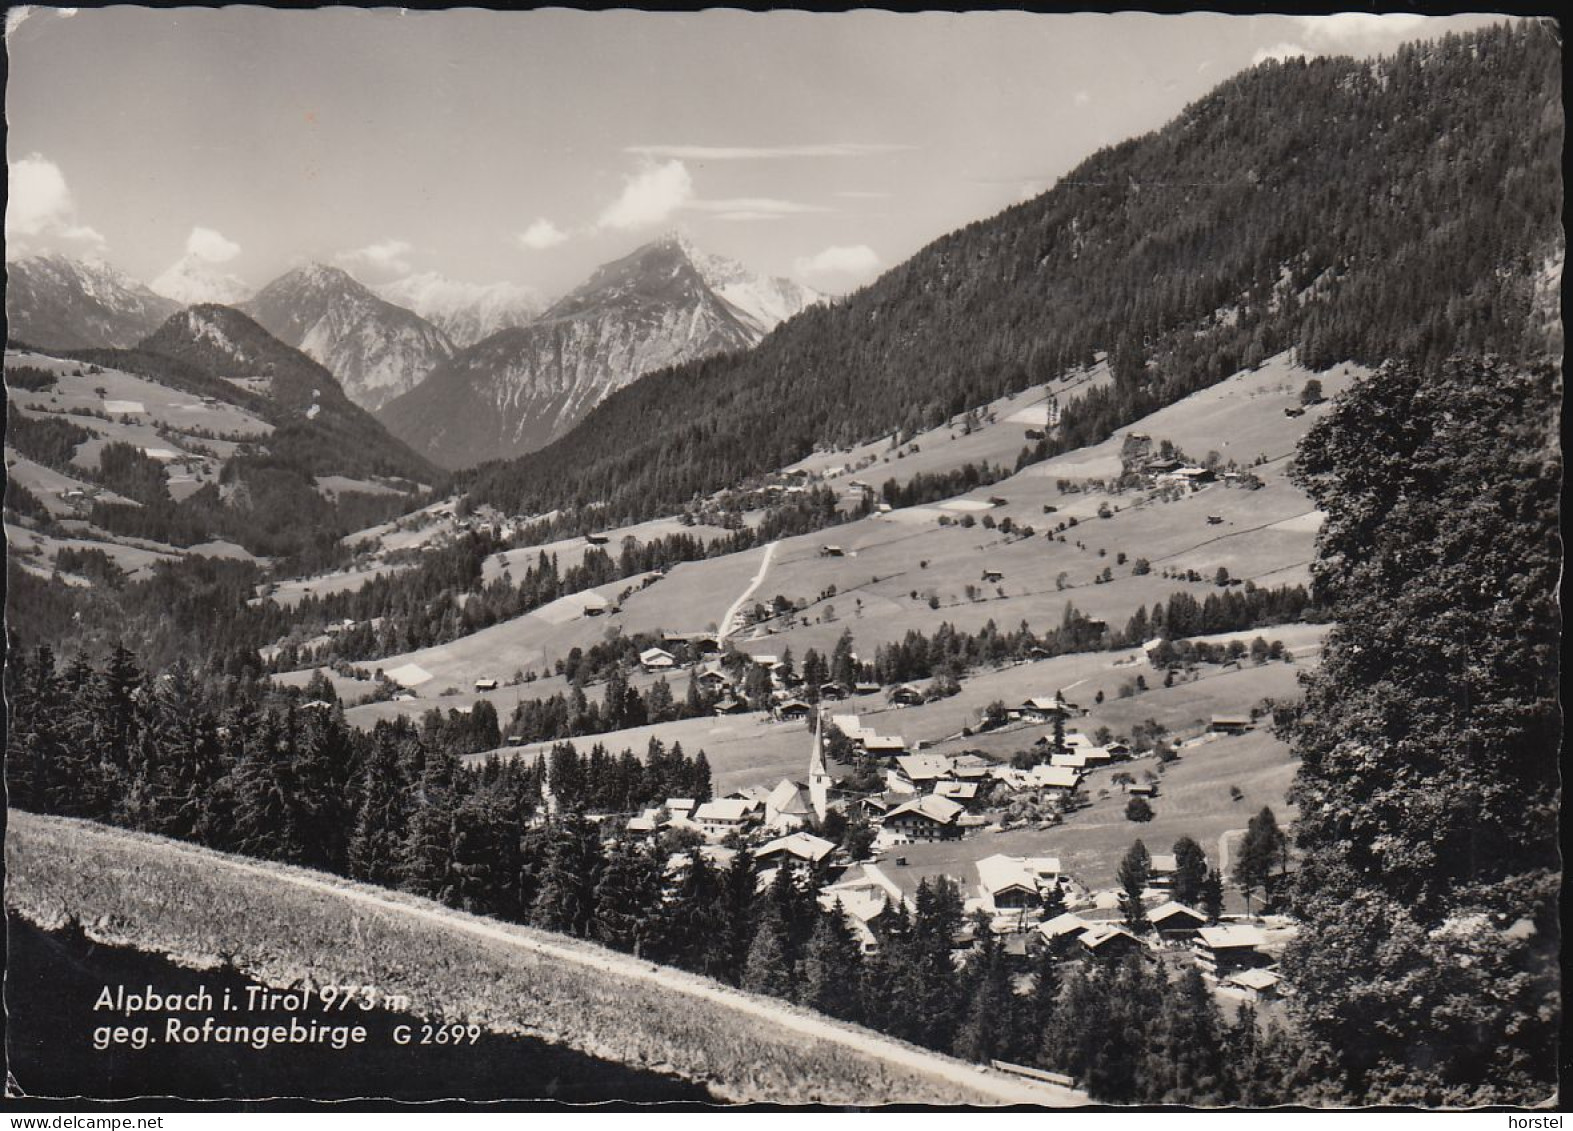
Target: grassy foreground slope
{"points": [[287, 926]]}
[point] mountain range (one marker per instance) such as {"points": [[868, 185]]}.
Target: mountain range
{"points": [[1328, 206], [55, 301], [463, 372], [517, 390], [377, 350]]}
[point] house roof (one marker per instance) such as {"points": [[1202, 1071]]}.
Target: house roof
{"points": [[940, 810], [1043, 865], [788, 797], [1075, 761], [1173, 909], [1048, 703], [1164, 863], [1054, 777], [1101, 934], [1225, 938], [874, 742], [679, 804], [860, 904], [957, 790], [805, 846], [1255, 979], [999, 873], [1232, 720], [1068, 923], [650, 655], [727, 809], [923, 767]]}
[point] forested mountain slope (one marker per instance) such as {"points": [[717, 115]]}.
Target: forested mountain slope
{"points": [[317, 425], [1354, 210]]}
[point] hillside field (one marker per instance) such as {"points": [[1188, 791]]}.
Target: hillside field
{"points": [[287, 926]]}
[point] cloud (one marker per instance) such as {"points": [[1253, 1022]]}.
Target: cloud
{"points": [[761, 152], [1280, 52], [205, 243], [649, 197], [753, 208], [1082, 98], [40, 203], [386, 256], [1345, 31], [851, 264], [541, 235]]}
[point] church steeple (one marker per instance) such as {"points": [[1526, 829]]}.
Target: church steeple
{"points": [[818, 775]]}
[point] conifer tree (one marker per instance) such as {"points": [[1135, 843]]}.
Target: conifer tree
{"points": [[832, 966], [428, 851], [628, 899], [1190, 874], [769, 969], [376, 849], [566, 898], [1134, 872]]}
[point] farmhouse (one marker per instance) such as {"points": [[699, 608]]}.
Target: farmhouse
{"points": [[1046, 708], [1144, 789], [1061, 931], [1060, 779], [1220, 951], [1175, 920], [801, 848], [657, 659], [596, 539], [993, 575], [831, 552], [731, 706], [1230, 724], [1164, 866], [793, 710], [884, 746], [714, 679], [963, 793], [717, 818], [1108, 940], [644, 824], [865, 687], [486, 685], [926, 818], [849, 726], [1256, 984], [1007, 884], [905, 695], [595, 605], [832, 691]]}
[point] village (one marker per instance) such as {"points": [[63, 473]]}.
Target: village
{"points": [[854, 836]]}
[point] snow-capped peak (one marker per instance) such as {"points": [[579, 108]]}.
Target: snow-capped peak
{"points": [[193, 279], [466, 312]]}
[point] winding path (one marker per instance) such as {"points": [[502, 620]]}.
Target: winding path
{"points": [[727, 622]]}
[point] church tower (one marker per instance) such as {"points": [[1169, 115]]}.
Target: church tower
{"points": [[818, 775]]}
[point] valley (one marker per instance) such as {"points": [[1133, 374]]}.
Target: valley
{"points": [[1107, 653]]}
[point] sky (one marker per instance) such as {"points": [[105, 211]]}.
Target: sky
{"points": [[530, 147]]}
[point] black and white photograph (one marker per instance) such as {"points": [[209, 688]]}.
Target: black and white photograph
{"points": [[724, 560]]}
